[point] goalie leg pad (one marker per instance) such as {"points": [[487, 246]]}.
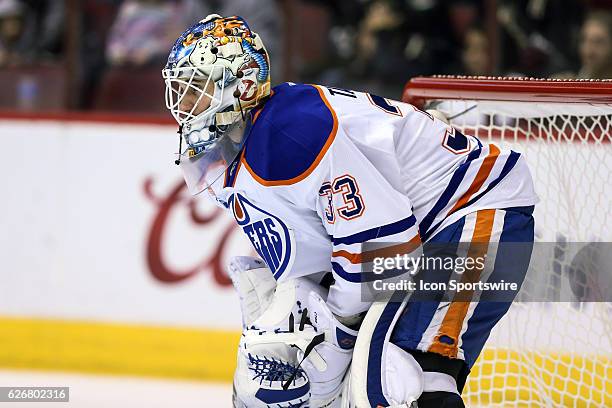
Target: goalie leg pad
{"points": [[382, 374]]}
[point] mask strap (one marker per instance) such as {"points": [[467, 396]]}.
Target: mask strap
{"points": [[180, 131], [237, 96]]}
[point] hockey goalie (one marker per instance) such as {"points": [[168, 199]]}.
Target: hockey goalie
{"points": [[323, 180]]}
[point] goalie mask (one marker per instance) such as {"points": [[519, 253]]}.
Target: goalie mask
{"points": [[218, 70]]}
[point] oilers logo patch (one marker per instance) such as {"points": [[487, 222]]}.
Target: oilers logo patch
{"points": [[270, 236]]}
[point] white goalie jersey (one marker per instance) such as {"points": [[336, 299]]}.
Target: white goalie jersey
{"points": [[325, 171]]}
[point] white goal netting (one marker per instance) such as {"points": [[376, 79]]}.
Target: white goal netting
{"points": [[553, 348]]}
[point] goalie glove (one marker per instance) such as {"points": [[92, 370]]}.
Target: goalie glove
{"points": [[255, 286], [295, 353]]}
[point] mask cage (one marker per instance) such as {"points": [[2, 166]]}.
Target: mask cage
{"points": [[186, 81]]}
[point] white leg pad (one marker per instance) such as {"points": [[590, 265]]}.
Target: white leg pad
{"points": [[439, 382], [403, 376]]}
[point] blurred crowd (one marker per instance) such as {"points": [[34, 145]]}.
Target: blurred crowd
{"points": [[380, 44], [107, 54]]}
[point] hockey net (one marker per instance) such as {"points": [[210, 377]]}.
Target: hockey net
{"points": [[555, 352]]}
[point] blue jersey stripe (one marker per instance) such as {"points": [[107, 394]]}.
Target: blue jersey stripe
{"points": [[448, 193], [351, 277], [377, 232], [366, 276], [509, 165]]}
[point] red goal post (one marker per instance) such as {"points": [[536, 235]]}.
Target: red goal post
{"points": [[421, 89]]}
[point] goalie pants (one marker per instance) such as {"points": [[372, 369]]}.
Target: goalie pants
{"points": [[443, 334]]}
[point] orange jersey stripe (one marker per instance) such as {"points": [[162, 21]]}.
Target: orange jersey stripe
{"points": [[481, 177], [315, 163], [390, 251], [455, 315], [256, 114]]}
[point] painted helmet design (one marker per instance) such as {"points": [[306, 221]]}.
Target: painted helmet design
{"points": [[217, 71]]}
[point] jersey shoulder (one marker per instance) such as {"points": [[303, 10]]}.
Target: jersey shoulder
{"points": [[290, 134]]}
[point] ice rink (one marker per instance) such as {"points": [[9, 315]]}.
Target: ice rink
{"points": [[96, 391]]}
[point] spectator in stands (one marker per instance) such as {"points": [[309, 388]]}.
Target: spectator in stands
{"points": [[142, 32], [31, 31], [476, 53], [17, 34], [596, 46], [397, 41], [49, 17], [536, 37]]}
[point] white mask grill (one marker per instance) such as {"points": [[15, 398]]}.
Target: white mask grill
{"points": [[191, 93]]}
